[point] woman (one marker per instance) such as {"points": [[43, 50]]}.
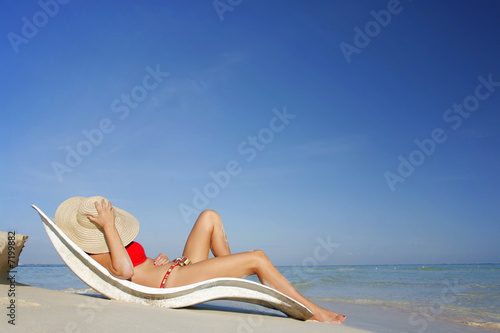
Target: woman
{"points": [[107, 234]]}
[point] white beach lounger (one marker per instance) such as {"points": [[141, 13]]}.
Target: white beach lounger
{"points": [[99, 279]]}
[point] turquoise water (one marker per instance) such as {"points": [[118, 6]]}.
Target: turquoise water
{"points": [[465, 293]]}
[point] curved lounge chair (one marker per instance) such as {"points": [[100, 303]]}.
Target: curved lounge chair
{"points": [[99, 279]]}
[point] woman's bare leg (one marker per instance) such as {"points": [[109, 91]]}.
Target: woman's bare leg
{"points": [[242, 265], [207, 234]]}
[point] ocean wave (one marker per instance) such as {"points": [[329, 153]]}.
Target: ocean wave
{"points": [[487, 324], [481, 286], [301, 284], [385, 284], [41, 265], [476, 296], [330, 278], [329, 268], [427, 268], [390, 284], [451, 268], [400, 305], [477, 314], [81, 291]]}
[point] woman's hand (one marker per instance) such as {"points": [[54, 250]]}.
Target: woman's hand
{"points": [[162, 259], [119, 263], [105, 214]]}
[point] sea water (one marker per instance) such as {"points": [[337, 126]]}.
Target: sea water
{"points": [[465, 293]]}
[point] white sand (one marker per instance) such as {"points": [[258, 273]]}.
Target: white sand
{"points": [[41, 310]]}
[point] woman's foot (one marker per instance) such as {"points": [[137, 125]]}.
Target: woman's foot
{"points": [[323, 315]]}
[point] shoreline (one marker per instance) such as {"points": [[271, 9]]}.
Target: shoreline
{"points": [[383, 319], [45, 310]]}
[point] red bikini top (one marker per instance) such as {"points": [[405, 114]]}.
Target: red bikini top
{"points": [[136, 253]]}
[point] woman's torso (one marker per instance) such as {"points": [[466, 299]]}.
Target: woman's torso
{"points": [[147, 274]]}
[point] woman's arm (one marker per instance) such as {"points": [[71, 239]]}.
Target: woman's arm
{"points": [[119, 264]]}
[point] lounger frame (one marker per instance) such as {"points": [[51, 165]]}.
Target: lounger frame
{"points": [[99, 279]]}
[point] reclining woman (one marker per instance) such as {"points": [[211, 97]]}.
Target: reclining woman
{"points": [[106, 233]]}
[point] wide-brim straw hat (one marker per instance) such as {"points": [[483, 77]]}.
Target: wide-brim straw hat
{"points": [[71, 218]]}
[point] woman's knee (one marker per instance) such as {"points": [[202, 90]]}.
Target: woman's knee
{"points": [[209, 221], [259, 261], [260, 256], [209, 214], [209, 218]]}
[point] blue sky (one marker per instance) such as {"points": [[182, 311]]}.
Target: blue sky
{"points": [[296, 120]]}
